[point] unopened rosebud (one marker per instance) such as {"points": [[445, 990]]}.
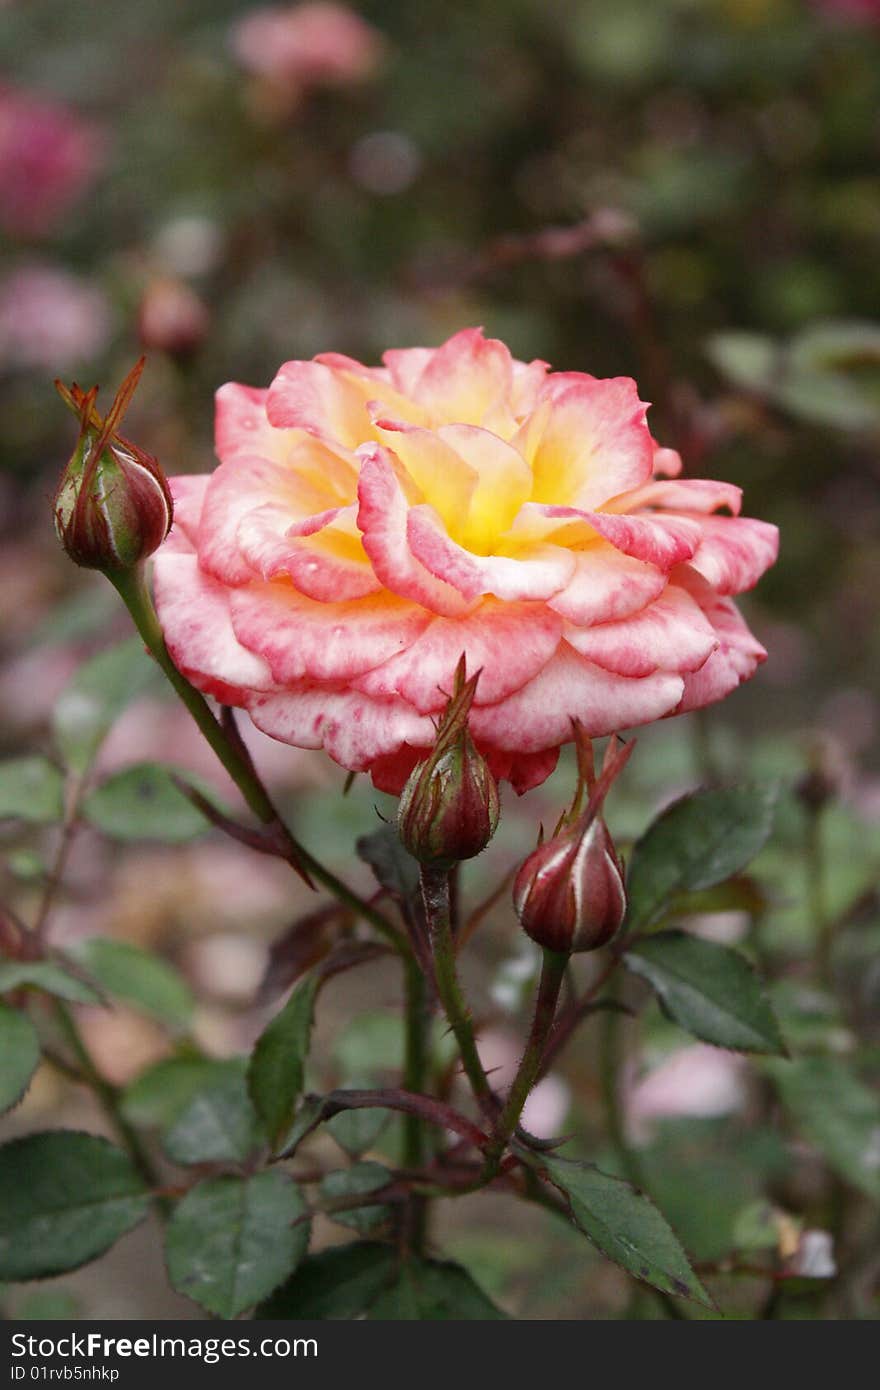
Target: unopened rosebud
{"points": [[172, 318], [449, 807], [113, 507], [569, 893]]}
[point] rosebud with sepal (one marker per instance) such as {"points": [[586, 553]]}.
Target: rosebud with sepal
{"points": [[449, 807], [113, 507], [569, 893]]}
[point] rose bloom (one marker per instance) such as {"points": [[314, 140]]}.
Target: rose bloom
{"points": [[51, 320], [48, 158], [367, 526], [307, 45]]}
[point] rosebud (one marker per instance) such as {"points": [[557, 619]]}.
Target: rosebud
{"points": [[172, 318], [113, 507], [449, 807], [569, 893]]}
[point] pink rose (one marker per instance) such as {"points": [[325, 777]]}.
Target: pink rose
{"points": [[307, 45], [48, 158], [50, 319], [367, 526]]}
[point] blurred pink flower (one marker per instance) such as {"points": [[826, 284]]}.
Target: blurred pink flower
{"points": [[698, 1081], [49, 156], [51, 320], [172, 318], [546, 1108], [321, 44]]}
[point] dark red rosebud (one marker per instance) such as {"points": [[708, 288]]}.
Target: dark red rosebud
{"points": [[569, 894], [449, 807], [172, 318], [113, 507]]}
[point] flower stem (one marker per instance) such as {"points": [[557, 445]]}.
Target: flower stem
{"points": [[435, 893], [132, 588], [553, 968], [415, 1074]]}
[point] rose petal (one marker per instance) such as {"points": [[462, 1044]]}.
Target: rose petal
{"points": [[331, 403], [670, 634], [352, 728], [323, 554], [541, 572], [735, 552]]}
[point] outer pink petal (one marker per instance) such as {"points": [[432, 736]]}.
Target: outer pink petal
{"points": [[738, 655], [194, 612], [522, 770], [406, 366], [301, 639], [242, 429], [354, 730], [654, 538], [607, 586], [331, 403], [382, 518], [587, 441], [542, 572], [667, 462], [735, 552], [671, 634], [509, 643], [570, 687], [682, 495], [188, 492], [304, 551]]}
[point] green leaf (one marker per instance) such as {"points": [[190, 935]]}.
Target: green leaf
{"points": [[44, 974], [338, 1283], [356, 1181], [277, 1066], [232, 1240], [355, 1131], [435, 1291], [837, 1113], [64, 1199], [19, 1055], [395, 869], [626, 1226], [749, 360], [218, 1125], [143, 803], [710, 990], [31, 789], [697, 842], [138, 977], [161, 1093], [99, 692]]}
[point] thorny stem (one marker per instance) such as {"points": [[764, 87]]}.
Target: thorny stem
{"points": [[553, 970], [132, 588], [435, 893]]}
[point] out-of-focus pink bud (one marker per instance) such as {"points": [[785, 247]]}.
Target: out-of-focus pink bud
{"points": [[172, 318], [321, 44], [113, 507], [569, 894], [51, 320], [449, 807]]}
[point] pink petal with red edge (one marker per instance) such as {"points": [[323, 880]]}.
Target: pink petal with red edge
{"points": [[570, 687], [188, 493], [738, 655], [588, 441], [406, 366], [522, 770], [382, 518], [352, 728], [304, 551], [542, 572], [390, 772], [468, 381], [607, 586], [671, 634], [735, 552], [509, 643], [331, 403], [654, 538], [236, 489], [301, 639], [194, 612], [682, 495], [242, 429], [667, 462]]}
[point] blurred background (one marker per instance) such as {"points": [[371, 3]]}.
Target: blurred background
{"points": [[685, 191]]}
